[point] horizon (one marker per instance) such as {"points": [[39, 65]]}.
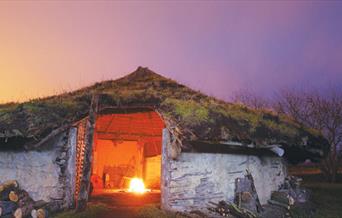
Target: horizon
{"points": [[222, 48], [188, 108], [230, 99]]}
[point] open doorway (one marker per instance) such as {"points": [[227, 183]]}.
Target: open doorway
{"points": [[127, 147]]}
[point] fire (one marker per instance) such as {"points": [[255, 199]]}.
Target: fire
{"points": [[137, 185]]}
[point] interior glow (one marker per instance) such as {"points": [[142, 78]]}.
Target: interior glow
{"points": [[137, 185], [126, 146]]}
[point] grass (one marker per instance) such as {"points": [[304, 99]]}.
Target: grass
{"points": [[153, 211], [327, 199], [326, 202], [197, 116], [101, 210], [190, 112], [92, 211]]}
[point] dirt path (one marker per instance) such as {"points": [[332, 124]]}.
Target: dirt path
{"points": [[124, 205]]}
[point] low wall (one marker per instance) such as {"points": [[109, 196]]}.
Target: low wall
{"points": [[35, 172], [196, 178], [44, 174]]}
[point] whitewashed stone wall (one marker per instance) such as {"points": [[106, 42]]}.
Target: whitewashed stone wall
{"points": [[194, 179], [70, 171], [35, 172], [47, 174]]}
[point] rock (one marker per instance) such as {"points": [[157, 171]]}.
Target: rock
{"points": [[61, 162], [63, 155]]}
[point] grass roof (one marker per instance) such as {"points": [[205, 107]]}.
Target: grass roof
{"points": [[198, 117]]}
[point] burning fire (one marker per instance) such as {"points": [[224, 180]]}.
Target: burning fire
{"points": [[137, 185]]}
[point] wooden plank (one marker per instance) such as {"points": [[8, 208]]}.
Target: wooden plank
{"points": [[127, 133], [48, 137], [165, 171], [85, 180], [246, 195], [124, 110]]}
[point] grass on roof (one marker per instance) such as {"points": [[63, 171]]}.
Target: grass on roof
{"points": [[205, 117]]}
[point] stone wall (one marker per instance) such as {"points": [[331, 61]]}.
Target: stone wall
{"points": [[46, 174], [194, 179], [70, 171], [35, 172]]}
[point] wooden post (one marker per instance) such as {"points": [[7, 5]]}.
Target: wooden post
{"points": [[83, 196], [165, 173]]}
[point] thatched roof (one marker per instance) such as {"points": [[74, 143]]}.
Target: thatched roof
{"points": [[191, 114]]}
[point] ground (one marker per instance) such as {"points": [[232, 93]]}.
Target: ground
{"points": [[123, 204], [106, 204], [326, 198]]}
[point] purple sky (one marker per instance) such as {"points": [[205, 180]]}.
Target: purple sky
{"points": [[217, 47]]}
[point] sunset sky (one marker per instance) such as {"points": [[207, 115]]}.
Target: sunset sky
{"points": [[217, 47]]}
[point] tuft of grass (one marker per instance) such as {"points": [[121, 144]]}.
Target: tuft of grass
{"points": [[153, 211], [190, 112], [92, 211]]}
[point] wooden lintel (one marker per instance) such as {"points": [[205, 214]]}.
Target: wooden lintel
{"points": [[118, 134], [125, 110], [126, 137]]}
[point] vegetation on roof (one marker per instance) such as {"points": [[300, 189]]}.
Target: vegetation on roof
{"points": [[198, 116]]}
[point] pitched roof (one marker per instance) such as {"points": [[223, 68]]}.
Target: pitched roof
{"points": [[193, 115]]}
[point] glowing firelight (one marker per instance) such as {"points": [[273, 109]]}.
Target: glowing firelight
{"points": [[137, 185]]}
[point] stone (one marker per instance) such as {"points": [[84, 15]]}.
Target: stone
{"points": [[63, 155], [61, 162], [36, 171], [197, 178]]}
